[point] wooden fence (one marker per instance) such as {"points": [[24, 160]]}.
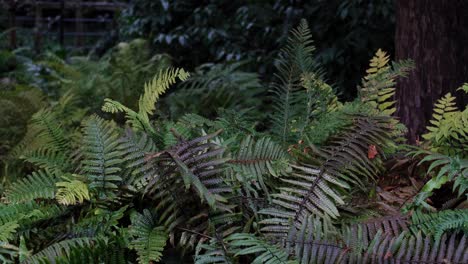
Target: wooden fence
{"points": [[72, 23]]}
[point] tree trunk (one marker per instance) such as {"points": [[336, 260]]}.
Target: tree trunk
{"points": [[434, 34]]}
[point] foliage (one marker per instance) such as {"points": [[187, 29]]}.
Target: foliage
{"points": [[215, 86], [347, 32], [448, 132], [233, 189], [119, 74], [150, 239]]}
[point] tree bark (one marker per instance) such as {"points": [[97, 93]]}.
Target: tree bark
{"points": [[434, 34]]}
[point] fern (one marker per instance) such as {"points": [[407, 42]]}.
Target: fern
{"points": [[256, 159], [313, 242], [146, 104], [216, 86], [58, 250], [317, 189], [197, 162], [440, 222], [49, 159], [150, 238], [378, 85], [295, 61], [102, 156], [100, 222], [448, 169], [40, 184], [248, 244], [7, 230], [448, 132], [212, 253], [50, 132], [112, 251], [134, 148], [71, 192]]}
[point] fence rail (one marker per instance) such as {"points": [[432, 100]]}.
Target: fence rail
{"points": [[49, 18]]}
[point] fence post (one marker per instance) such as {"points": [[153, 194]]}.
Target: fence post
{"points": [[61, 23], [37, 28], [12, 24], [78, 23]]}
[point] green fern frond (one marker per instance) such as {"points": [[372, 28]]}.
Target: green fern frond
{"points": [[71, 192], [27, 214], [101, 156], [317, 189], [212, 253], [50, 132], [448, 132], [447, 169], [254, 159], [49, 159], [247, 244], [58, 250], [216, 86], [150, 238], [146, 104], [257, 157], [442, 108], [174, 133], [378, 86], [108, 250], [135, 147], [40, 184], [440, 222], [100, 222], [295, 61], [7, 230]]}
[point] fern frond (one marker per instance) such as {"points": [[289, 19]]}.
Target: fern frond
{"points": [[442, 109], [71, 192], [378, 86], [146, 104], [447, 169], [247, 244], [358, 236], [295, 60], [108, 250], [102, 156], [413, 249], [7, 230], [58, 250], [40, 184], [440, 222], [317, 189], [197, 163], [99, 223], [254, 159], [309, 191], [259, 157], [212, 253], [313, 242], [50, 159], [135, 147], [150, 238], [50, 132], [448, 132]]}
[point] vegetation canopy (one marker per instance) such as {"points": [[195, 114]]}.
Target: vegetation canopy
{"points": [[129, 159]]}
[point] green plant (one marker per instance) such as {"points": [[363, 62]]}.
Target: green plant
{"points": [[448, 132], [222, 190]]}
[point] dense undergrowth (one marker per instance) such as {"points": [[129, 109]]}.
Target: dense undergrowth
{"points": [[100, 165]]}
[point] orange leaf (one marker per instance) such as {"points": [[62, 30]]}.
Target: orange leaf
{"points": [[372, 152]]}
